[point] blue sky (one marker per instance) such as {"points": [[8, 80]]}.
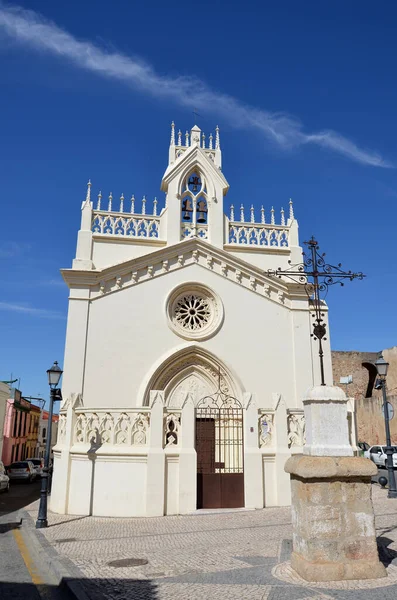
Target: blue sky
{"points": [[305, 97]]}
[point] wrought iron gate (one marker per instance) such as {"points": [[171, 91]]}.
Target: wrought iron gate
{"points": [[219, 446]]}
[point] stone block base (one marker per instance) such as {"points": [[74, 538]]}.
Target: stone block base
{"points": [[333, 518], [336, 571]]}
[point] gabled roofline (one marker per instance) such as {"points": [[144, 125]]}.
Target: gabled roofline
{"points": [[192, 154], [192, 251]]}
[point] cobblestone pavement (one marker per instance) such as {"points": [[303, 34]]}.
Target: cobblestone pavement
{"points": [[224, 555]]}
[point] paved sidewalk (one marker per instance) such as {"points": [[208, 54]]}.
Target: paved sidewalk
{"points": [[220, 556], [24, 572]]}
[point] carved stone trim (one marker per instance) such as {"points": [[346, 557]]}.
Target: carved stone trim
{"points": [[265, 429], [296, 429], [172, 426]]}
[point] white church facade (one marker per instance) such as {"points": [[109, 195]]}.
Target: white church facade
{"points": [[185, 362]]}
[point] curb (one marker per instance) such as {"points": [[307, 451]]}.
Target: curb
{"points": [[65, 572]]}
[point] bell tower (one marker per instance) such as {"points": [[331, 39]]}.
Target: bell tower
{"points": [[195, 187]]}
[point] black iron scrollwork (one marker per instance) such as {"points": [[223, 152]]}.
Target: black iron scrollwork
{"points": [[316, 275]]}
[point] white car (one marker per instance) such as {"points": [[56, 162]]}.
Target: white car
{"points": [[22, 470], [378, 455], [4, 479], [38, 464]]}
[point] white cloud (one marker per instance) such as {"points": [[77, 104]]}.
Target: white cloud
{"points": [[30, 28], [11, 249], [30, 310]]}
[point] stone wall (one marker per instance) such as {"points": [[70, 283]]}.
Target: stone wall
{"points": [[368, 401]]}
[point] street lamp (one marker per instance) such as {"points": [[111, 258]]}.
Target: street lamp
{"points": [[382, 367], [54, 375]]}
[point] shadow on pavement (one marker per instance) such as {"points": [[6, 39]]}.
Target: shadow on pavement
{"points": [[67, 521], [4, 527], [386, 555], [98, 589]]}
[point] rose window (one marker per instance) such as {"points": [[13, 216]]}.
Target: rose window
{"points": [[194, 311]]}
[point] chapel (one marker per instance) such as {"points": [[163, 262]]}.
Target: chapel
{"points": [[186, 358]]}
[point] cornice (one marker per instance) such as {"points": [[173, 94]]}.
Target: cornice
{"points": [[187, 252], [125, 239]]}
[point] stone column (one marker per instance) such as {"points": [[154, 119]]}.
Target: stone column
{"points": [[59, 499], [253, 478], [155, 476], [187, 459], [332, 513]]}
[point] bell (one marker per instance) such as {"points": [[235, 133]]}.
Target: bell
{"points": [[194, 182], [201, 212], [187, 209]]}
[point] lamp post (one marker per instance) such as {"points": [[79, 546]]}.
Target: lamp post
{"points": [[54, 375], [382, 367]]}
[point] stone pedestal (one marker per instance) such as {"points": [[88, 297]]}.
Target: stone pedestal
{"points": [[327, 426], [332, 513], [333, 518]]}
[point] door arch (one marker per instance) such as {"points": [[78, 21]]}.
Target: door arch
{"points": [[168, 373]]}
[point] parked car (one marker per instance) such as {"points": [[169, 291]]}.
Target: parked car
{"points": [[364, 446], [22, 470], [38, 464], [4, 479], [378, 455]]}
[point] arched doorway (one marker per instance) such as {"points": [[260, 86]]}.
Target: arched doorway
{"points": [[194, 374], [220, 451]]}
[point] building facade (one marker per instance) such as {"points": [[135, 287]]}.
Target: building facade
{"points": [[20, 435], [360, 370], [4, 395], [43, 433], [186, 361], [32, 442]]}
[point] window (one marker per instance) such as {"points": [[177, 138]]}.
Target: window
{"points": [[15, 414], [44, 432], [194, 311], [194, 207]]}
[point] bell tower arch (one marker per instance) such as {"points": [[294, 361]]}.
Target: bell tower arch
{"points": [[195, 188]]}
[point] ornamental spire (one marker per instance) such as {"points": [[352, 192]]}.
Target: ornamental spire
{"points": [[172, 142], [98, 206], [217, 139], [122, 203], [291, 209], [110, 202], [88, 195]]}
